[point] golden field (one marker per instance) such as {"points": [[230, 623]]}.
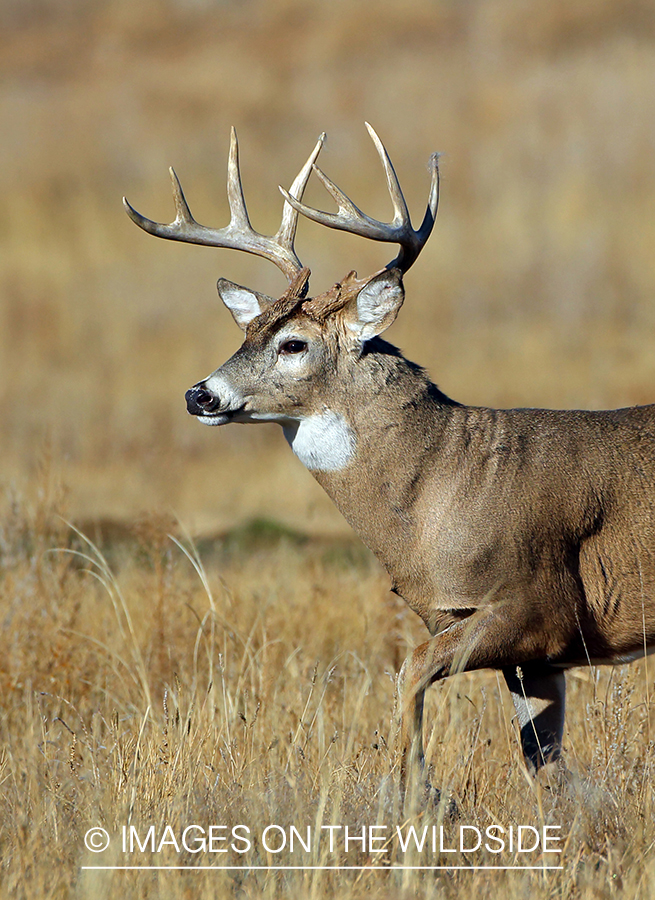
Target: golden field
{"points": [[207, 642]]}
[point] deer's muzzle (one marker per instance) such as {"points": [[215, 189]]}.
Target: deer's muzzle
{"points": [[200, 402]]}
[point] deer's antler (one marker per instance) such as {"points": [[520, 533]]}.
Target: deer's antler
{"points": [[398, 231], [239, 234]]}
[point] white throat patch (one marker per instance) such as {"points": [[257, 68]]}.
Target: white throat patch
{"points": [[323, 442]]}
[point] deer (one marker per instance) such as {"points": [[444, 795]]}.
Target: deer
{"points": [[523, 538]]}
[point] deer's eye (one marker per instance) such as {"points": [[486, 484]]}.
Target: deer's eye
{"points": [[289, 347]]}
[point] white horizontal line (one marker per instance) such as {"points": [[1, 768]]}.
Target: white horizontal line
{"points": [[322, 868]]}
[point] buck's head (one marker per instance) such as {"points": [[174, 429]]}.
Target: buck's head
{"points": [[300, 357], [298, 354]]}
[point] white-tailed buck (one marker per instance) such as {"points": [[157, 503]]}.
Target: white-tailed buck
{"points": [[524, 538]]}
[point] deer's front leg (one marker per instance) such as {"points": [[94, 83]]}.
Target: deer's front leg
{"points": [[410, 698], [420, 669], [495, 637]]}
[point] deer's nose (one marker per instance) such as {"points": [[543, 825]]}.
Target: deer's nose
{"points": [[200, 402]]}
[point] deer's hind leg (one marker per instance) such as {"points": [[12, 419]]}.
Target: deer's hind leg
{"points": [[538, 691]]}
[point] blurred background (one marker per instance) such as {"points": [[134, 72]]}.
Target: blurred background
{"points": [[537, 287]]}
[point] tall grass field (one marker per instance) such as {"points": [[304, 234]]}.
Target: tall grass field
{"points": [[197, 656]]}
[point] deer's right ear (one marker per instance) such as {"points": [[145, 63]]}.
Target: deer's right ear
{"points": [[376, 305], [244, 304]]}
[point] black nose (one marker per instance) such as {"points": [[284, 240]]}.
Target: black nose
{"points": [[200, 402]]}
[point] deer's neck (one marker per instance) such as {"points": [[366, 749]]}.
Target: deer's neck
{"points": [[370, 453]]}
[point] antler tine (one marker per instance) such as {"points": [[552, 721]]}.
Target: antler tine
{"points": [[239, 234], [181, 206], [239, 220], [433, 200], [178, 227], [351, 219], [287, 231], [401, 213]]}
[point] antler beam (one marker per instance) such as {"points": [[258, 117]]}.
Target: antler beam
{"points": [[239, 234], [398, 231]]}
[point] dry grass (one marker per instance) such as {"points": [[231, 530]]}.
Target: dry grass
{"points": [[258, 686], [145, 685]]}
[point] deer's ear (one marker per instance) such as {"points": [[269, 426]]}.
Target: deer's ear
{"points": [[376, 305], [244, 304]]}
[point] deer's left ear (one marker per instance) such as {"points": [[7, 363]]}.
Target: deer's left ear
{"points": [[376, 305], [244, 304]]}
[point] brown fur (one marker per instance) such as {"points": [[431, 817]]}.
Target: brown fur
{"points": [[524, 538], [521, 537]]}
